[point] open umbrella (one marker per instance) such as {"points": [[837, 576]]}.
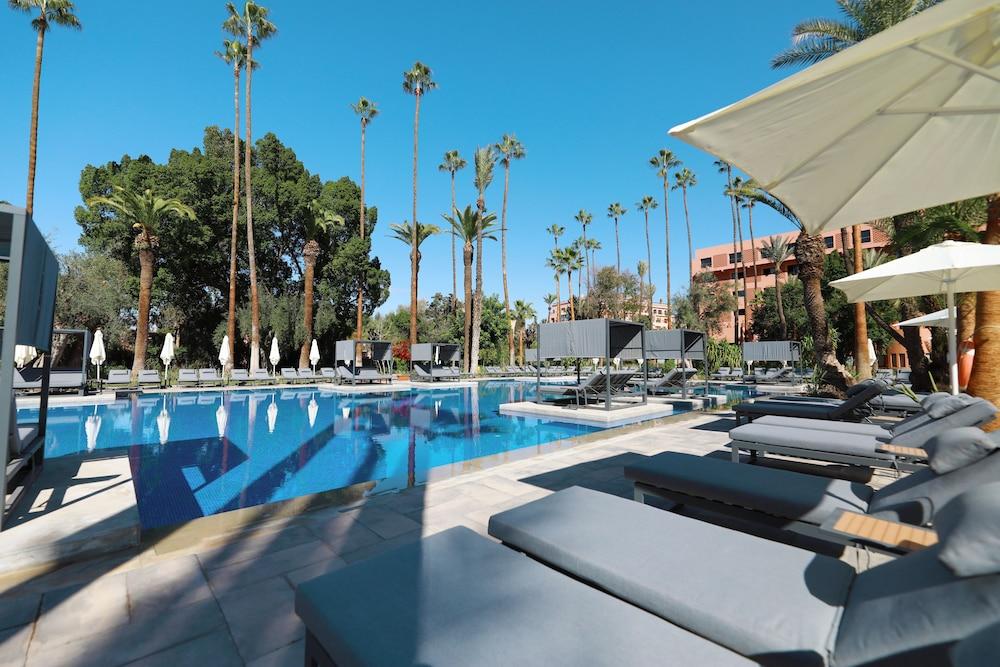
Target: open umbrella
{"points": [[274, 357], [24, 354], [224, 357], [849, 139], [945, 268], [97, 353], [167, 353], [939, 318], [314, 355]]}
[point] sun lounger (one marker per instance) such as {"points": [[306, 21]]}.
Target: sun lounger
{"points": [[673, 379], [150, 378], [373, 375], [239, 376], [289, 375], [493, 370], [118, 378], [594, 388], [885, 374], [306, 375], [774, 376], [327, 373], [187, 377], [261, 376], [722, 373], [854, 408], [209, 377]]}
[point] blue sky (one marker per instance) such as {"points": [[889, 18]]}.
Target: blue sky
{"points": [[590, 88]]}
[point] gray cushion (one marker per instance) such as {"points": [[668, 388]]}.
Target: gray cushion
{"points": [[909, 611], [957, 448], [873, 430], [946, 406], [788, 409], [782, 493], [917, 431], [931, 399], [916, 497], [979, 649], [809, 440], [763, 599], [969, 529], [456, 598]]}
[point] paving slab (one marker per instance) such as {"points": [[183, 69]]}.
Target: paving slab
{"points": [[262, 618]]}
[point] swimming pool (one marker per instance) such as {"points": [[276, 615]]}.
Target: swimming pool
{"points": [[196, 454]]}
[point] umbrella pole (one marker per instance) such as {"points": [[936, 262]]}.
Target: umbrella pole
{"points": [[952, 340]]}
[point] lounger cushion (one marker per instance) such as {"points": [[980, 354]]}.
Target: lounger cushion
{"points": [[456, 598], [783, 606], [933, 398], [912, 609], [969, 529], [809, 440], [787, 409], [782, 493], [873, 430], [980, 648], [946, 406], [957, 448]]}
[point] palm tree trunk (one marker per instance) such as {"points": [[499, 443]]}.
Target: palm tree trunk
{"points": [[503, 260], [477, 301], [361, 229], [454, 269], [29, 199], [307, 307], [586, 257], [810, 250], [687, 223], [862, 362], [666, 230], [252, 258], [145, 296], [569, 286], [467, 255], [413, 237], [521, 338], [649, 269], [743, 268], [753, 246], [782, 322], [231, 315], [618, 249], [985, 380]]}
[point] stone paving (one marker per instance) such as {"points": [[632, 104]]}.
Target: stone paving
{"points": [[230, 600]]}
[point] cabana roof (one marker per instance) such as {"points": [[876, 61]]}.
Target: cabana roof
{"points": [[346, 349], [772, 350], [669, 344], [587, 338], [446, 352]]}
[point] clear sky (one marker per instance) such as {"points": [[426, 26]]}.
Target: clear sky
{"points": [[589, 87]]}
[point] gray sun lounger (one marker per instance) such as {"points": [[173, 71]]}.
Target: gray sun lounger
{"points": [[722, 373], [774, 603], [673, 379], [854, 408], [209, 377], [774, 376], [261, 376], [118, 378], [306, 375], [187, 377], [239, 376], [327, 373], [289, 376], [594, 388], [891, 401], [25, 456], [150, 378]]}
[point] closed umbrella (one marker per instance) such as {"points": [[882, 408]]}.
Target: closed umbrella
{"points": [[224, 357], [221, 419], [97, 353], [274, 357], [272, 416], [945, 268], [167, 353], [872, 358], [92, 428], [849, 139], [314, 355], [163, 425], [312, 410]]}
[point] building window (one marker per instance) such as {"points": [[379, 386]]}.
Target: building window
{"points": [[743, 311], [706, 262], [735, 257], [741, 293], [828, 240], [791, 248], [769, 271], [902, 359], [866, 236], [793, 270]]}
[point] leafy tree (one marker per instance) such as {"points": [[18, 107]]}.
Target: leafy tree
{"points": [[510, 149], [706, 301], [50, 12], [645, 204], [584, 217], [453, 163], [523, 311], [685, 179], [484, 160], [93, 293], [663, 162], [469, 227], [366, 111], [320, 223], [613, 294]]}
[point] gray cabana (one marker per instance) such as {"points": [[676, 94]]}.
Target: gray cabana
{"points": [[787, 351], [63, 377], [436, 353], [31, 294], [602, 338], [347, 353], [684, 345]]}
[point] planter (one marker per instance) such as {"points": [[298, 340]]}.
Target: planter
{"points": [[403, 378]]}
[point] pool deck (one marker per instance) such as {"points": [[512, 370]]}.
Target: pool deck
{"points": [[228, 600]]}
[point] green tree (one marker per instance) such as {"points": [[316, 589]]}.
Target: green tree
{"points": [[645, 204], [366, 111], [510, 149], [584, 217], [406, 233], [145, 213], [523, 311], [484, 160], [453, 163], [702, 308], [685, 179], [250, 23], [318, 224], [778, 250], [93, 293], [470, 227], [663, 162], [555, 262], [417, 81], [50, 12], [616, 211]]}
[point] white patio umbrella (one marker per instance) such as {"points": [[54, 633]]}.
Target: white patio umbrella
{"points": [[92, 428], [163, 424], [849, 139], [312, 410], [272, 416], [97, 353], [224, 357], [274, 357], [23, 354], [221, 419], [167, 353], [938, 318], [945, 268], [314, 355]]}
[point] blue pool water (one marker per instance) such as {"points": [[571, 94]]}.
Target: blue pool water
{"points": [[201, 453]]}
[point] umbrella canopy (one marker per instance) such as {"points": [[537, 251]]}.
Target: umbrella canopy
{"points": [[24, 354], [314, 353], [312, 410], [274, 357], [163, 425], [167, 353], [272, 416], [97, 352], [848, 140], [221, 419], [92, 428], [943, 268], [938, 318], [224, 357]]}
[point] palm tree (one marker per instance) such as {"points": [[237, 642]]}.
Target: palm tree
{"points": [[585, 218], [523, 311], [724, 167], [642, 270], [571, 261], [416, 81], [778, 250], [555, 262], [685, 179], [663, 162], [649, 202], [467, 225], [593, 245], [406, 234], [366, 111], [737, 191], [452, 163], [146, 213], [510, 148], [484, 160], [234, 54], [319, 221], [817, 39], [615, 211], [254, 27], [556, 231], [50, 12], [550, 299], [744, 196], [580, 247]]}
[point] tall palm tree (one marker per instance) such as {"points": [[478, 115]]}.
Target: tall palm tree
{"points": [[616, 211], [468, 226], [252, 25], [234, 54], [320, 221], [745, 190], [413, 236], [556, 231], [571, 261], [416, 81], [778, 250], [645, 204], [642, 270], [145, 213], [737, 191], [663, 162], [484, 160], [593, 245], [555, 262], [523, 311], [50, 12], [685, 179], [724, 167], [580, 247], [366, 111], [452, 163], [585, 218], [510, 149]]}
